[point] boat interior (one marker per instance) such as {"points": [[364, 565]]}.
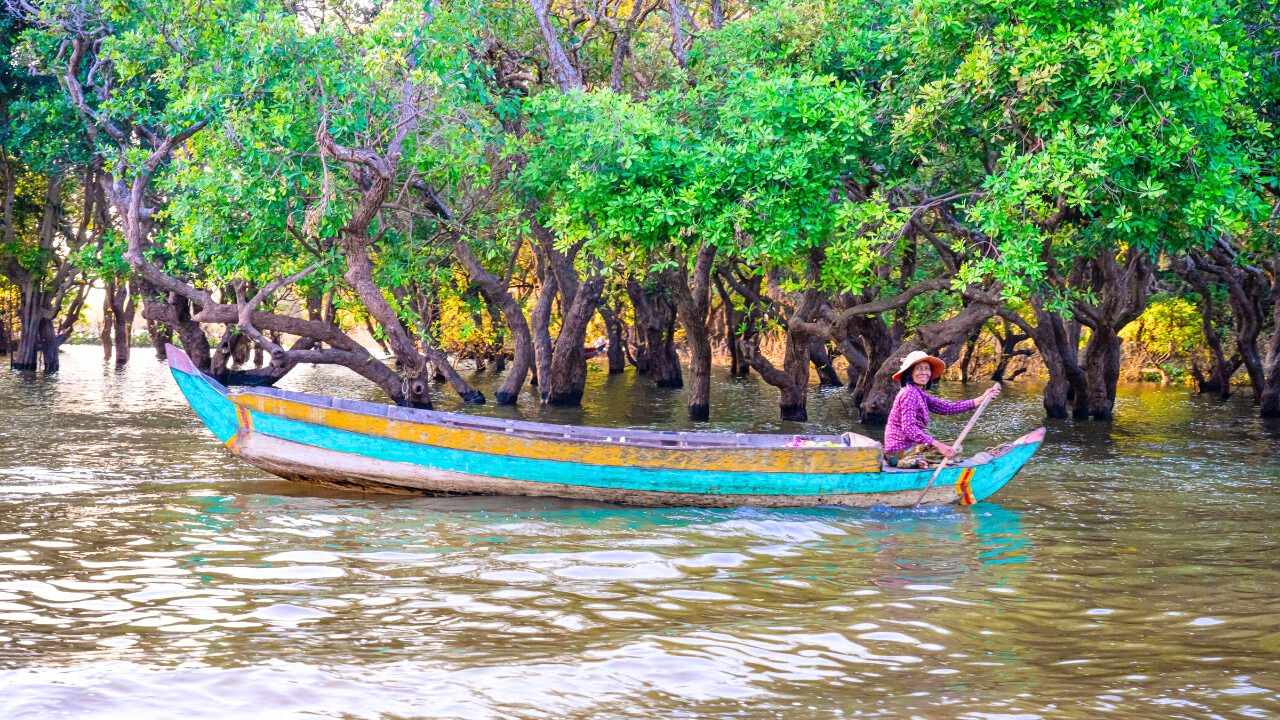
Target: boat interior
{"points": [[524, 428]]}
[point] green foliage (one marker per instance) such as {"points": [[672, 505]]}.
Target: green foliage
{"points": [[1088, 128], [749, 164], [1059, 131]]}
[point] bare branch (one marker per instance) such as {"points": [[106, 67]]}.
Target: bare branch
{"points": [[566, 75], [892, 303]]}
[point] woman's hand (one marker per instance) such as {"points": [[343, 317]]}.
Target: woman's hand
{"points": [[945, 449], [992, 392]]}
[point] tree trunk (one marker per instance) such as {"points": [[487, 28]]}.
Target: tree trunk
{"points": [[1269, 401], [1076, 375], [123, 308], [539, 327], [856, 358], [495, 291], [733, 332], [1247, 291], [827, 376], [877, 346], [1246, 308], [793, 395], [562, 365], [108, 324], [693, 307], [792, 380], [521, 359], [968, 356], [1058, 351], [1102, 370], [522, 345], [1220, 370], [354, 242], [222, 356], [680, 40], [1008, 349], [49, 344], [568, 372], [700, 373], [1122, 293], [565, 73], [440, 361], [617, 352], [655, 323], [26, 356], [176, 315], [160, 335]]}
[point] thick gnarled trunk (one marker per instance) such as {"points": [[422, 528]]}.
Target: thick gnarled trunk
{"points": [[693, 307], [735, 321], [561, 363], [1102, 371], [699, 405], [792, 380], [1218, 381], [867, 345], [567, 377], [1007, 347], [617, 351], [1122, 291], [119, 305], [26, 352], [655, 315], [37, 346], [1057, 341], [539, 328], [1248, 289], [1269, 401], [495, 291], [822, 364]]}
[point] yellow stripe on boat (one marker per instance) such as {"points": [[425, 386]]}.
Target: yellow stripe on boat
{"points": [[497, 442]]}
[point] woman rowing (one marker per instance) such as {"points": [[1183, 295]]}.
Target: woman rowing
{"points": [[907, 443]]}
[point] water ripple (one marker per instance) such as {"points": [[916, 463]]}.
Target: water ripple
{"points": [[144, 574]]}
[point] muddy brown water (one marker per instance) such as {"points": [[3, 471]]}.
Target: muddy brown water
{"points": [[1132, 570]]}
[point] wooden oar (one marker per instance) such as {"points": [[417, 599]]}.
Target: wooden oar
{"points": [[955, 447]]}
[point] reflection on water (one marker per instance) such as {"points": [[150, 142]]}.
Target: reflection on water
{"points": [[1129, 570]]}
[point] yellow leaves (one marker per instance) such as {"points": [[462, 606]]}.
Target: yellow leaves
{"points": [[978, 68], [1170, 326], [1040, 77]]}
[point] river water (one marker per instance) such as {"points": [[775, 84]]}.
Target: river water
{"points": [[1132, 570]]}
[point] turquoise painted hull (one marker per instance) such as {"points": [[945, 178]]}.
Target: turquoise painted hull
{"points": [[309, 451]]}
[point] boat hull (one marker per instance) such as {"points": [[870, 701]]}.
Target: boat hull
{"points": [[303, 442]]}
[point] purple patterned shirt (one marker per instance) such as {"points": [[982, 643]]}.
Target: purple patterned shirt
{"points": [[910, 416]]}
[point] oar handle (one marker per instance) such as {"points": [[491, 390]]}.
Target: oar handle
{"points": [[955, 447]]}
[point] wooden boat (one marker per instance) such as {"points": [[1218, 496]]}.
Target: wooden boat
{"points": [[384, 447]]}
